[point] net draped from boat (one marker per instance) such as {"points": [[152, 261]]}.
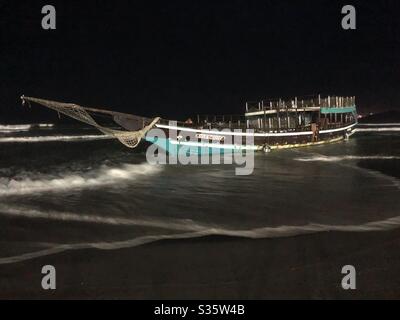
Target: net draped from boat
{"points": [[128, 138]]}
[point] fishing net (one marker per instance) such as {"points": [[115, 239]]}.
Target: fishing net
{"points": [[129, 138]]}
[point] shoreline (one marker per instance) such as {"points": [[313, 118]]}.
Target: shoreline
{"points": [[219, 267]]}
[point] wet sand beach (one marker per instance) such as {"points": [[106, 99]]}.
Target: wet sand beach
{"points": [[302, 267]]}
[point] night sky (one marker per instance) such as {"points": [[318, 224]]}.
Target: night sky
{"points": [[178, 58]]}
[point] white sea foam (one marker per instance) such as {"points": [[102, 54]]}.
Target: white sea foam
{"points": [[15, 127], [378, 124], [12, 131], [340, 160], [170, 224], [52, 138], [345, 157], [31, 183], [390, 129], [258, 233]]}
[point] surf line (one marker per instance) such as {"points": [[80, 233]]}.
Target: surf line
{"points": [[337, 160], [258, 233], [170, 224], [52, 138]]}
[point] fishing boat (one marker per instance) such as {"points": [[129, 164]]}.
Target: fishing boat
{"points": [[266, 125]]}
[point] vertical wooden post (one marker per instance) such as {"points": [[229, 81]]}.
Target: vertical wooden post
{"points": [[265, 116], [287, 117], [270, 108], [319, 116], [278, 115]]}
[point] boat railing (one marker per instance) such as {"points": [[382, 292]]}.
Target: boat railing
{"points": [[300, 103], [210, 122]]}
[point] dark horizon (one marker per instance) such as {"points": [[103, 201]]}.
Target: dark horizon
{"points": [[177, 59]]}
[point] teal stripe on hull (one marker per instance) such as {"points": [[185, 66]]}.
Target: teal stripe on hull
{"points": [[175, 149], [326, 110]]}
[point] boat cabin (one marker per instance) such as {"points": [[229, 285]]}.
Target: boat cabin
{"points": [[299, 114]]}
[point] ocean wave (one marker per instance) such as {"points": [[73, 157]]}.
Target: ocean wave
{"points": [[340, 160], [169, 224], [15, 127], [345, 157], [11, 128], [52, 138], [391, 129], [258, 233], [377, 124], [31, 183]]}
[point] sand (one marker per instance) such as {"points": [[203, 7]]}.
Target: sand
{"points": [[302, 267]]}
